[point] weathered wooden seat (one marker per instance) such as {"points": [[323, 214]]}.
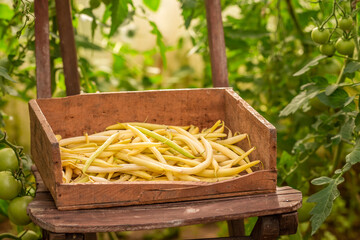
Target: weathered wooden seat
{"points": [[277, 211]]}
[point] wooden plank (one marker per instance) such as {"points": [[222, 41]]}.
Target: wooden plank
{"points": [[43, 212], [216, 43], [67, 47], [71, 196], [72, 116], [42, 50], [44, 148], [262, 134]]}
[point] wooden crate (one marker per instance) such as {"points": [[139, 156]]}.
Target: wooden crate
{"points": [[75, 115]]}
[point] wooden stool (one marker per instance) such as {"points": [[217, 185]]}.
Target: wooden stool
{"points": [[276, 211], [277, 214]]}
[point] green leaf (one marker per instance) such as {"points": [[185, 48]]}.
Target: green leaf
{"points": [[346, 167], [6, 12], [331, 89], [4, 74], [84, 42], [190, 10], [357, 122], [337, 99], [245, 34], [152, 4], [249, 226], [324, 201], [321, 180], [159, 42], [309, 65], [89, 12], [286, 160], [346, 131], [352, 67], [336, 139], [300, 101], [354, 156], [95, 3], [3, 207], [119, 12]]}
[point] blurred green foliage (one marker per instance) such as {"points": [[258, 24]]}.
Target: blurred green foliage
{"points": [[313, 100]]}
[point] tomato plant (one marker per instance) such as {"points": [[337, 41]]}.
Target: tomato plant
{"points": [[304, 211], [327, 49], [320, 36], [17, 210], [346, 24], [345, 46], [9, 186], [8, 160]]}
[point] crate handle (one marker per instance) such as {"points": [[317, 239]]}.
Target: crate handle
{"points": [[68, 48]]}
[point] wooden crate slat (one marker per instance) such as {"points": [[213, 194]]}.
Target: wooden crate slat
{"points": [[131, 218]]}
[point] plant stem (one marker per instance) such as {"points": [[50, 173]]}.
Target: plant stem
{"points": [[294, 18], [336, 156], [330, 16], [341, 76], [8, 236]]}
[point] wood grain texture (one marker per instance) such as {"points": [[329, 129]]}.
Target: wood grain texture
{"points": [[288, 223], [75, 115], [266, 227], [236, 228], [240, 115], [98, 195], [42, 50], [216, 43], [44, 213], [67, 47], [44, 148]]}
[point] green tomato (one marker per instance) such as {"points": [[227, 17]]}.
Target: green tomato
{"points": [[320, 36], [345, 46], [327, 49], [8, 160], [17, 210], [28, 235], [9, 186], [346, 24]]}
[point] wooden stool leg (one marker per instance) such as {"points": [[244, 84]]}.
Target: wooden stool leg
{"points": [[266, 227], [236, 228], [271, 227], [47, 235], [288, 223], [90, 236]]}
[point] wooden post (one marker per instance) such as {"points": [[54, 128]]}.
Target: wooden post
{"points": [[42, 50], [236, 228], [67, 45], [266, 227], [216, 43]]}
